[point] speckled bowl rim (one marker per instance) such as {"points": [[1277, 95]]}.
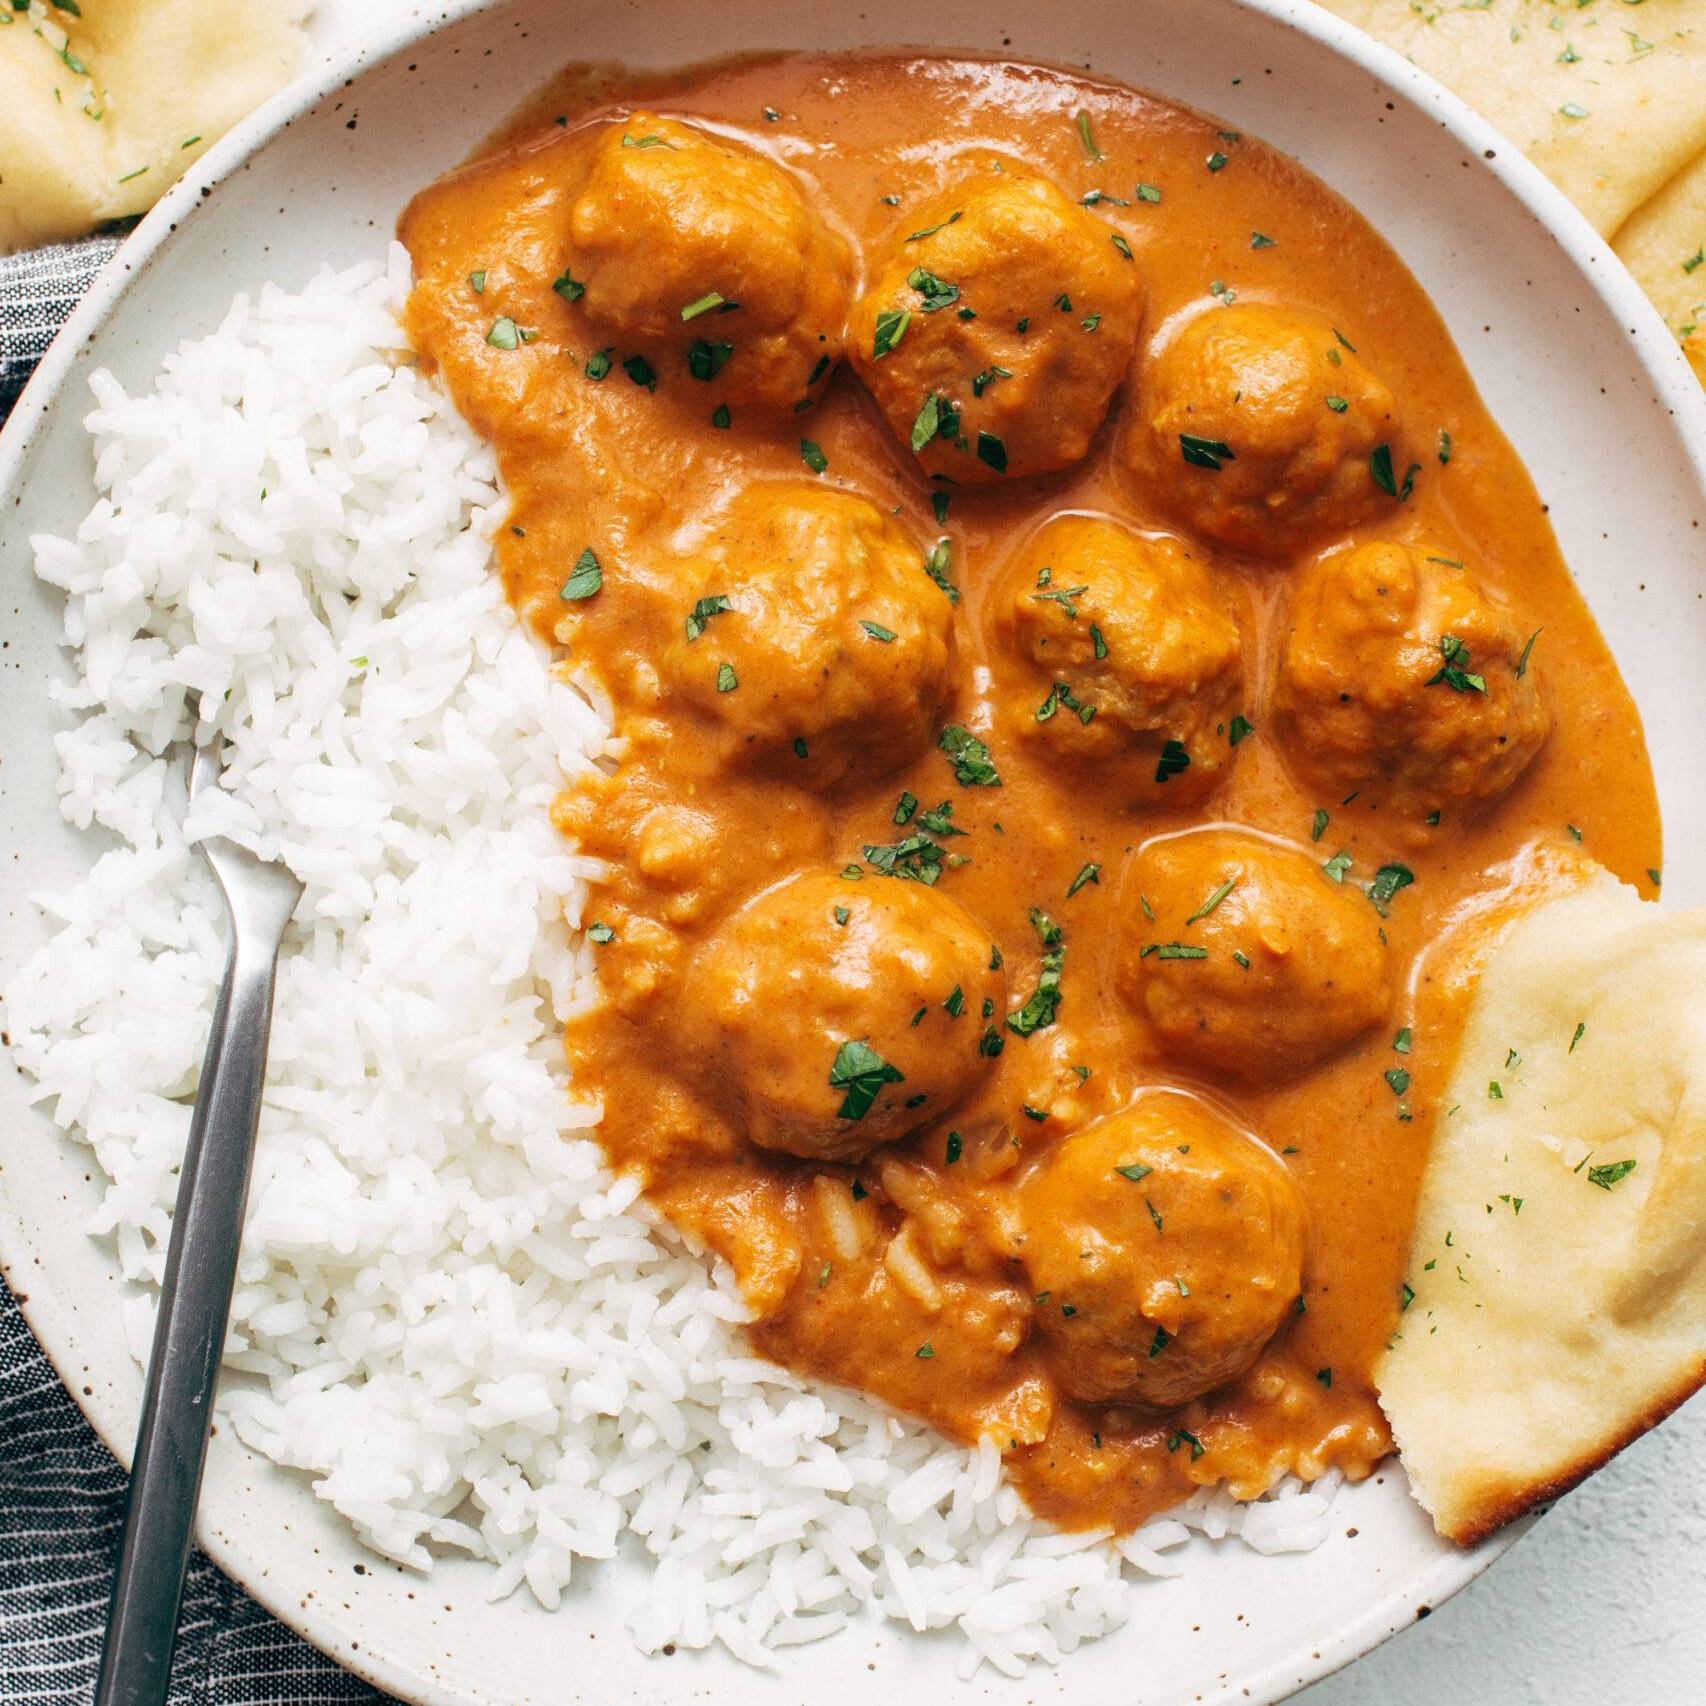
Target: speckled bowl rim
{"points": [[1490, 152]]}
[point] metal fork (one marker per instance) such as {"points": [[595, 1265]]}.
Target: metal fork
{"points": [[201, 1267]]}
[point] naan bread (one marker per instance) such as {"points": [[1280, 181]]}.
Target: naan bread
{"points": [[1559, 1259], [1664, 245], [101, 113], [1634, 74]]}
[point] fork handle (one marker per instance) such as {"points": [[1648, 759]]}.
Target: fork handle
{"points": [[189, 1333]]}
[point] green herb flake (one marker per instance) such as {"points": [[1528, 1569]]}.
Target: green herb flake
{"points": [[860, 1073], [1522, 662], [641, 372], [727, 680], [705, 360], [477, 282], [930, 230], [883, 636], [570, 289], [811, 453], [1119, 242], [1581, 1031], [1380, 469], [1336, 867], [1175, 760], [1454, 672], [891, 328], [1239, 727], [600, 933], [1337, 404], [1319, 826], [924, 1352], [1148, 192], [992, 452], [1216, 161], [1610, 1174], [973, 767], [585, 578], [1398, 1079], [702, 612], [937, 564], [1401, 1042], [955, 1147], [1090, 873], [1214, 899], [1162, 1337], [1085, 136], [1388, 880], [1184, 1436], [1209, 453], [598, 365], [504, 334], [721, 419], [1041, 1007]]}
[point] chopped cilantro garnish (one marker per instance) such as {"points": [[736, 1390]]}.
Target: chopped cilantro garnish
{"points": [[860, 1073], [585, 578], [811, 453], [1209, 453], [970, 758], [1174, 761], [891, 328]]}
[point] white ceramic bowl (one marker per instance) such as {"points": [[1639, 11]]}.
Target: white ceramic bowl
{"points": [[1576, 367]]}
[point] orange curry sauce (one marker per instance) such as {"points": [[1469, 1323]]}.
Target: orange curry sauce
{"points": [[629, 470]]}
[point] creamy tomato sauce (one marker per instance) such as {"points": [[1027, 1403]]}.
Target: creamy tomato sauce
{"points": [[897, 1004]]}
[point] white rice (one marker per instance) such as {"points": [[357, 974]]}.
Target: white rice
{"points": [[449, 1314]]}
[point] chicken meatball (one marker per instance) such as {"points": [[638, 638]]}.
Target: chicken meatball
{"points": [[1000, 318], [1166, 1249], [1247, 957], [695, 251], [1260, 427], [838, 1016], [1123, 655], [1403, 678], [816, 643]]}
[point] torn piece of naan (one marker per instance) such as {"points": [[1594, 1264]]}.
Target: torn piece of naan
{"points": [[103, 105], [1605, 100], [1556, 1296]]}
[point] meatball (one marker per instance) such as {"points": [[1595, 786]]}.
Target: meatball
{"points": [[1123, 655], [1246, 957], [837, 1016], [816, 643], [1255, 426], [1166, 1249], [1403, 678], [1001, 317], [694, 249]]}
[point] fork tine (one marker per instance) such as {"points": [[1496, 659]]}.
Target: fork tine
{"points": [[209, 761]]}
